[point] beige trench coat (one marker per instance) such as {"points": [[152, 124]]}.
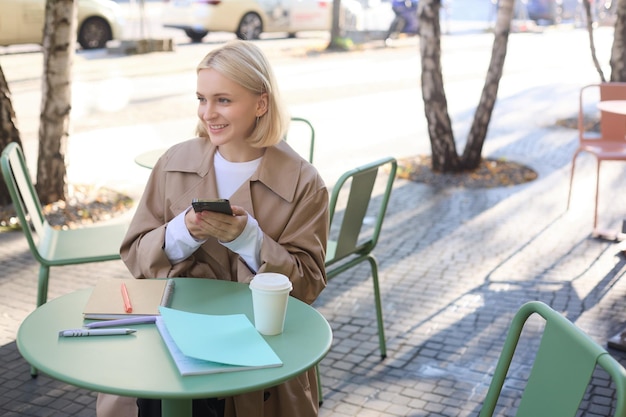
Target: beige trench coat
{"points": [[289, 200]]}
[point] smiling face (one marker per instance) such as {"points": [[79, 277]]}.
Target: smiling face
{"points": [[228, 112]]}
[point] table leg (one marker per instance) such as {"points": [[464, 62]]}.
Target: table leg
{"points": [[176, 408]]}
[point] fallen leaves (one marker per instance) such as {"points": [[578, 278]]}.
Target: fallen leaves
{"points": [[489, 174]]}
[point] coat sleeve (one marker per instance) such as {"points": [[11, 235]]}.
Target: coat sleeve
{"points": [[142, 248], [300, 249]]}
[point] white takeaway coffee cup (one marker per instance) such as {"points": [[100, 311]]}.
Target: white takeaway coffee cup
{"points": [[270, 293]]}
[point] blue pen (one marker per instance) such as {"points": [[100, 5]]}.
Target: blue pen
{"points": [[121, 322], [94, 332]]}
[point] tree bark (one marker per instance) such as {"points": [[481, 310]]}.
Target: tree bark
{"points": [[443, 147], [618, 52], [8, 129], [478, 132], [335, 28], [59, 44], [592, 45]]}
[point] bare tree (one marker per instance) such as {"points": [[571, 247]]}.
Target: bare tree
{"points": [[592, 46], [618, 51], [443, 148], [59, 45], [8, 129]]}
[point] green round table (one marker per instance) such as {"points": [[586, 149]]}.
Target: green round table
{"points": [[139, 365], [149, 159]]}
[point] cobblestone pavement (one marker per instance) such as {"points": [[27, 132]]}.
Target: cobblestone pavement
{"points": [[455, 264]]}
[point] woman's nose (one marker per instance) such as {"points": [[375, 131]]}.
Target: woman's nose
{"points": [[208, 112]]}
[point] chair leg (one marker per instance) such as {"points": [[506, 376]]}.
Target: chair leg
{"points": [[595, 207], [42, 297], [571, 180], [42, 290], [379, 307]]}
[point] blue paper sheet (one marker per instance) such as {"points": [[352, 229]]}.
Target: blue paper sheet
{"points": [[228, 339]]}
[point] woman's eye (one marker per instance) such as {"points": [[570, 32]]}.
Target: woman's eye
{"points": [[223, 100], [201, 99]]}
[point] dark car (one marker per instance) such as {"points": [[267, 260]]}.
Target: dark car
{"points": [[554, 11]]}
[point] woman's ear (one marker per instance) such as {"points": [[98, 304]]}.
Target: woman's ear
{"points": [[262, 105]]}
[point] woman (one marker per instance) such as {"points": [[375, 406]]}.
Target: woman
{"points": [[279, 204]]}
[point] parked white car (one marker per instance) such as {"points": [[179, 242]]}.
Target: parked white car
{"points": [[22, 22], [249, 18]]}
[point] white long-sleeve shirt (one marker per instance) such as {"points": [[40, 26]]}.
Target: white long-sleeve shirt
{"points": [[180, 244]]}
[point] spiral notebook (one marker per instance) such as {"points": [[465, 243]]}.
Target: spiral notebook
{"points": [[208, 344]]}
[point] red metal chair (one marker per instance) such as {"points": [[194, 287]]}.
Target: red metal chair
{"points": [[610, 143]]}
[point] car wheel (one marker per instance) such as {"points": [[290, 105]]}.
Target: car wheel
{"points": [[94, 33], [196, 36], [250, 27]]}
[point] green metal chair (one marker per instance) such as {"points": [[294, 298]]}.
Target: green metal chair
{"points": [[351, 246], [296, 127], [562, 369], [50, 246]]}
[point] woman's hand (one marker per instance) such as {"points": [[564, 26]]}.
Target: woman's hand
{"points": [[221, 226]]}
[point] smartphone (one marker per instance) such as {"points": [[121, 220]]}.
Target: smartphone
{"points": [[220, 205]]}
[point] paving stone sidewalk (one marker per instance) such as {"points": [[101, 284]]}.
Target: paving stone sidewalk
{"points": [[455, 265]]}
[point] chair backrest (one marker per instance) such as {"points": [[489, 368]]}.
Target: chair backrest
{"points": [[562, 369], [25, 200], [612, 125], [361, 183], [302, 128]]}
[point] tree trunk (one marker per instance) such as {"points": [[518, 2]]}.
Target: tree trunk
{"points": [[618, 52], [335, 29], [478, 132], [443, 148], [592, 45], [59, 44], [8, 130]]}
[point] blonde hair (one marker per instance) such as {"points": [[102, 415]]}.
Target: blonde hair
{"points": [[244, 63]]}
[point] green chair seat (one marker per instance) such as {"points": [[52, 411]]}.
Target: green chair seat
{"points": [[76, 246]]}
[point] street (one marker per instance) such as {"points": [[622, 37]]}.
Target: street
{"points": [[364, 104]]}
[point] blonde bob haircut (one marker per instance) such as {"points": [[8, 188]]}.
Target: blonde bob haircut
{"points": [[244, 63]]}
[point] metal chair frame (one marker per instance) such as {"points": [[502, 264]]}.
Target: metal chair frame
{"points": [[50, 246], [610, 144], [350, 248], [562, 369], [308, 125]]}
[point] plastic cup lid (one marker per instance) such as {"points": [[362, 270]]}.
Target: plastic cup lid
{"points": [[270, 281]]}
